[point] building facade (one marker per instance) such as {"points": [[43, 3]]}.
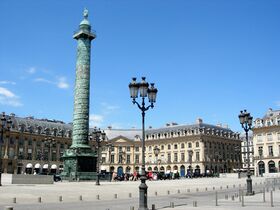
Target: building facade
{"points": [[197, 148], [37, 145], [266, 139]]}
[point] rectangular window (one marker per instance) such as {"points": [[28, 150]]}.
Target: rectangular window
{"points": [[103, 159], [162, 147], [120, 159], [128, 159], [197, 156], [120, 149], [183, 157], [190, 145], [260, 150], [136, 158], [136, 149], [269, 137], [169, 157], [54, 156], [175, 157], [112, 158], [270, 150], [259, 137], [128, 149]]}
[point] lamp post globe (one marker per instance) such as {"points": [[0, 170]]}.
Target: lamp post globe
{"points": [[246, 121], [144, 89]]}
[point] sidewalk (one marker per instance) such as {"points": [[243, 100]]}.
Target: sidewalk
{"points": [[255, 202]]}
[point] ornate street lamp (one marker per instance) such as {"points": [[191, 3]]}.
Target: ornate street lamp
{"points": [[5, 125], [156, 152], [151, 92], [246, 121], [98, 136], [49, 142], [261, 154]]}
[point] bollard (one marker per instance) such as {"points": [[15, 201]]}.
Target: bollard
{"points": [[81, 198], [60, 198], [155, 193], [131, 207], [233, 186], [178, 191], [205, 188], [221, 187], [195, 204], [197, 189], [214, 188], [116, 196], [264, 195], [239, 185], [226, 197], [227, 186], [240, 195], [129, 195], [8, 208], [14, 200], [267, 189], [232, 197], [168, 192], [189, 190], [97, 197], [216, 198], [273, 188], [271, 198], [153, 207], [242, 199], [171, 205], [39, 200]]}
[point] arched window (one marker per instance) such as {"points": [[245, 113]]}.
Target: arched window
{"points": [[182, 145]]}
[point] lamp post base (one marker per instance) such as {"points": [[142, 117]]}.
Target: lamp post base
{"points": [[249, 186], [143, 189]]}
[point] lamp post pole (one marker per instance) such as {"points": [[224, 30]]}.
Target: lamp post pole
{"points": [[151, 92], [6, 124], [49, 142], [98, 136], [190, 160], [246, 121], [156, 152], [260, 154], [238, 151]]}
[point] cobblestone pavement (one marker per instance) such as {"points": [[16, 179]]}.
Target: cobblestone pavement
{"points": [[123, 195]]}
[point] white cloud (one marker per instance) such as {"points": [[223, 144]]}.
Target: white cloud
{"points": [[62, 83], [40, 79], [31, 70], [7, 82], [7, 97], [277, 103], [95, 120]]}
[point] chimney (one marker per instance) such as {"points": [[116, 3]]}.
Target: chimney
{"points": [[199, 121]]}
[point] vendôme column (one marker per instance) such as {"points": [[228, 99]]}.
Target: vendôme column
{"points": [[79, 160]]}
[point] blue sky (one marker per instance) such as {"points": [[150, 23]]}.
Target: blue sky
{"points": [[208, 59]]}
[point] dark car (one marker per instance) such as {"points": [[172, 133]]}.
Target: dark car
{"points": [[56, 178]]}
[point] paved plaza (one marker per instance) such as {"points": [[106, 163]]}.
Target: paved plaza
{"points": [[124, 195]]}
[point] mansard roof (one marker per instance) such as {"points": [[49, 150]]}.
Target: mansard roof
{"points": [[59, 128]]}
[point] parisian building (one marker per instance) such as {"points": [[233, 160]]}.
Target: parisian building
{"points": [[37, 146], [266, 138]]}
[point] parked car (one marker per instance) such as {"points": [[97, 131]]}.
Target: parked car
{"points": [[56, 178]]}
